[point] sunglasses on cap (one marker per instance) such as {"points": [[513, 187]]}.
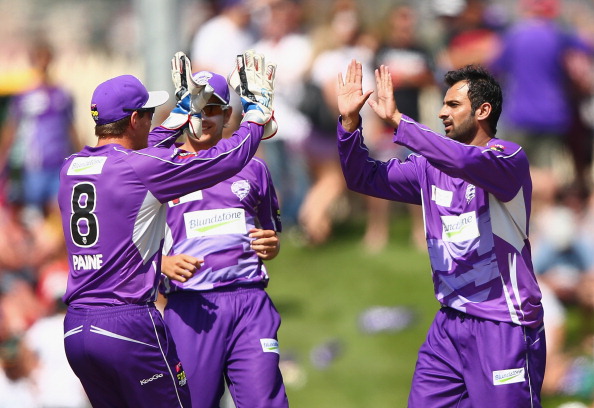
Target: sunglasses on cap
{"points": [[213, 109]]}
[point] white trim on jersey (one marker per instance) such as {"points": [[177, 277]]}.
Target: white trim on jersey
{"points": [[149, 227]]}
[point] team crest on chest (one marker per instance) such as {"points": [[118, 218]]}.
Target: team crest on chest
{"points": [[241, 188], [470, 192]]}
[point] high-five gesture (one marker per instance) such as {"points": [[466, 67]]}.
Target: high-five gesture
{"points": [[350, 95], [385, 106]]}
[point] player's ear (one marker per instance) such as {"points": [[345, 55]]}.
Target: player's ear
{"points": [[483, 111], [134, 119]]}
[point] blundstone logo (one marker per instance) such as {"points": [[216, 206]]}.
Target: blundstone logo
{"points": [[458, 228], [269, 345], [86, 165], [215, 222], [511, 376]]}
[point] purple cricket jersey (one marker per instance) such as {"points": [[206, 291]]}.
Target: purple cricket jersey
{"points": [[214, 223], [113, 208], [44, 116], [476, 206]]}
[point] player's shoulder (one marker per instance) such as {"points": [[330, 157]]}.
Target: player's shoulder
{"points": [[506, 148], [258, 162], [255, 168], [159, 153]]}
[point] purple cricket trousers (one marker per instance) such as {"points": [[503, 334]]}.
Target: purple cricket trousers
{"points": [[228, 334], [124, 356], [472, 362]]}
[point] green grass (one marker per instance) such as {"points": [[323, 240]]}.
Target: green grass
{"points": [[320, 293]]}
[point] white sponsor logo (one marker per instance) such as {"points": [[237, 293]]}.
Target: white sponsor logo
{"points": [[86, 165], [87, 261], [195, 196], [269, 346], [441, 197], [240, 188], [215, 222], [148, 380], [458, 228], [511, 376]]}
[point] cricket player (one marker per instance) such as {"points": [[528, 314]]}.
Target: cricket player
{"points": [[113, 199], [486, 345], [219, 314]]}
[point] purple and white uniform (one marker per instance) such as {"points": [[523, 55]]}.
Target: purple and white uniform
{"points": [[213, 224], [113, 204], [222, 319], [44, 117], [476, 206]]}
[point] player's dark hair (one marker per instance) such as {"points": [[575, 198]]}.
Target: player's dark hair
{"points": [[482, 88], [113, 129], [117, 128]]}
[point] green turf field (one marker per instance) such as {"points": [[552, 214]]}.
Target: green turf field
{"points": [[320, 293]]}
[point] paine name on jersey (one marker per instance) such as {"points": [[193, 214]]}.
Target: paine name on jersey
{"points": [[80, 262]]}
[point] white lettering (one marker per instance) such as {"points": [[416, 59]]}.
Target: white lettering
{"points": [[215, 222], [148, 380], [87, 261]]}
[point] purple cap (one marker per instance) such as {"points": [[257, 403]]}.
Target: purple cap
{"points": [[118, 97], [218, 83]]}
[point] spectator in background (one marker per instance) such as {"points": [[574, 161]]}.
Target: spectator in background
{"points": [[17, 362], [563, 248], [56, 385], [225, 35], [343, 38], [38, 134], [469, 37], [411, 68], [540, 112], [282, 40], [219, 40]]}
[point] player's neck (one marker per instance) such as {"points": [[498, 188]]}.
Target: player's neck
{"points": [[123, 141]]}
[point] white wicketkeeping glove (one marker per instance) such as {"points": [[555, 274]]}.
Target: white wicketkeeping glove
{"points": [[253, 80], [191, 97]]}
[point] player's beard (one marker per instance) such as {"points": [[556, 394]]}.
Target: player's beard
{"points": [[465, 131]]}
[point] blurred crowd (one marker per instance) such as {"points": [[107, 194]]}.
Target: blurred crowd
{"points": [[542, 51]]}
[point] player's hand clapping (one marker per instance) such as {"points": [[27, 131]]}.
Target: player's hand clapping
{"points": [[350, 95], [385, 105]]}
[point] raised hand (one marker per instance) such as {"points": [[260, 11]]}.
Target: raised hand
{"points": [[350, 95], [191, 94], [385, 105]]}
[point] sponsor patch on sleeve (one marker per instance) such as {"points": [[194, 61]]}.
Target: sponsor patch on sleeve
{"points": [[269, 345], [514, 375]]}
